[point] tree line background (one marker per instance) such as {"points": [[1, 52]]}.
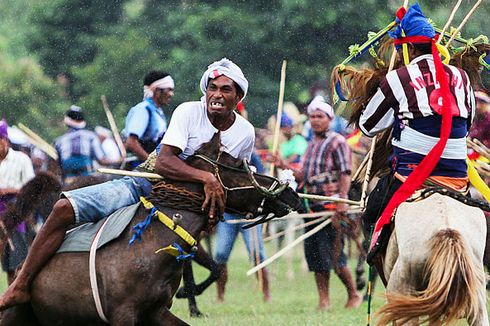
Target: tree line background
{"points": [[54, 53]]}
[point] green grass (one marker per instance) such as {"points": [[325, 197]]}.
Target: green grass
{"points": [[293, 302]]}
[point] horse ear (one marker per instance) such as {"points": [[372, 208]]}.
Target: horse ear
{"points": [[212, 147]]}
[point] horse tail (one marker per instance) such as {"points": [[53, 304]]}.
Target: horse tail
{"points": [[452, 279]]}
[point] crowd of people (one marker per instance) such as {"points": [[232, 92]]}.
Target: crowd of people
{"points": [[314, 147]]}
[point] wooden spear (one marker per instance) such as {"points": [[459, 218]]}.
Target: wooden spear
{"points": [[112, 123], [38, 141], [463, 23], [280, 102], [450, 19], [136, 174], [288, 247]]}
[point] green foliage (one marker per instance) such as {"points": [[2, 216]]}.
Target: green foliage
{"points": [[27, 95], [106, 47], [66, 31]]}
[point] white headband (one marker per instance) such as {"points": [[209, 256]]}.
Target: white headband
{"points": [[227, 68], [319, 103], [166, 82]]}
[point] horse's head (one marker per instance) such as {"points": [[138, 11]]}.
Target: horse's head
{"points": [[247, 192]]}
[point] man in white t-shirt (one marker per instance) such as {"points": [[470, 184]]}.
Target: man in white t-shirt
{"points": [[15, 171], [193, 123]]}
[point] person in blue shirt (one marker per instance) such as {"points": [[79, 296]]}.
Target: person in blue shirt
{"points": [[78, 148], [146, 123]]}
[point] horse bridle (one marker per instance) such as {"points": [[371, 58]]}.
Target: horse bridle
{"points": [[272, 192]]}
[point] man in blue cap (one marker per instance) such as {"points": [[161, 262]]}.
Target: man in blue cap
{"points": [[430, 107]]}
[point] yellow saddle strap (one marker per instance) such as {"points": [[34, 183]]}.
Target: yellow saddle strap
{"points": [[177, 229]]}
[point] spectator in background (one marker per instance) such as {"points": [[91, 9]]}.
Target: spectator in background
{"points": [[15, 170], [78, 148], [326, 171], [146, 123], [295, 145]]}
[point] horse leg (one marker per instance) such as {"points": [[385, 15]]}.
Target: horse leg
{"points": [[204, 259], [190, 289]]}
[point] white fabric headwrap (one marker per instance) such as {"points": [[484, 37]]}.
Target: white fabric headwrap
{"points": [[166, 82], [227, 68], [319, 103], [74, 123]]}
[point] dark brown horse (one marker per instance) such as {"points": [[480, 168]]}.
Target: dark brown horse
{"points": [[136, 285], [34, 201]]}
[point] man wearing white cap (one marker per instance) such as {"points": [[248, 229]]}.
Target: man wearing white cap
{"points": [[193, 123], [146, 123], [326, 168]]}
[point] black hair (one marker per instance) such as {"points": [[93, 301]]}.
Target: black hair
{"points": [[153, 76], [239, 90], [423, 48]]}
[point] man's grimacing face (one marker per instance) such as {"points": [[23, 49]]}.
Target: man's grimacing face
{"points": [[221, 96]]}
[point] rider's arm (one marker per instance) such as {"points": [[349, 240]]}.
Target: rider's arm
{"points": [[170, 165], [133, 145], [379, 113]]}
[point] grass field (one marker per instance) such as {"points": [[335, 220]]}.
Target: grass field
{"points": [[293, 301]]}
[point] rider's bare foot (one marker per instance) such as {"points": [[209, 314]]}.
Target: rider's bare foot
{"points": [[14, 296], [354, 301]]}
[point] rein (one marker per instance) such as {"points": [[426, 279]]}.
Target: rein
{"points": [[272, 192]]}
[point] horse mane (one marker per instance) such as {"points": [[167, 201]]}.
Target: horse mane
{"points": [[468, 60], [39, 189], [213, 150]]}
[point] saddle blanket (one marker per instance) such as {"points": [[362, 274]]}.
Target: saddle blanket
{"points": [[80, 238]]}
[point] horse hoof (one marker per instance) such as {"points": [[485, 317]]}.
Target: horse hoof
{"points": [[196, 313]]}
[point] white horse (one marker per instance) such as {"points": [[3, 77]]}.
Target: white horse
{"points": [[434, 264]]}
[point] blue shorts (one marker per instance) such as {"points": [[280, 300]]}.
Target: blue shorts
{"points": [[93, 203], [226, 234], [319, 250]]}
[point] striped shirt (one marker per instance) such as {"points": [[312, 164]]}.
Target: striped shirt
{"points": [[77, 149], [15, 170], [324, 161], [403, 101]]}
